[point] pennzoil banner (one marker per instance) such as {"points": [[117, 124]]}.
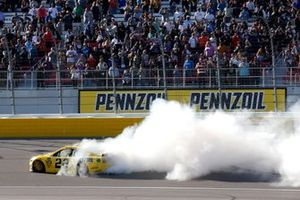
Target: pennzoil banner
{"points": [[139, 101]]}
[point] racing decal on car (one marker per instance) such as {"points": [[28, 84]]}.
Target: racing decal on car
{"points": [[48, 162], [61, 162]]}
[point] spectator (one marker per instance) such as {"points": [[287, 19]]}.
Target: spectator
{"points": [[2, 19], [193, 42], [244, 72], [87, 17], [126, 78], [251, 7], [40, 76], [199, 15], [42, 14], [53, 57], [48, 39], [68, 20], [209, 49], [113, 74], [25, 6], [53, 12], [71, 57], [102, 68], [201, 71], [113, 6], [244, 15], [216, 27], [155, 5], [78, 13], [75, 75], [96, 11], [188, 66]]}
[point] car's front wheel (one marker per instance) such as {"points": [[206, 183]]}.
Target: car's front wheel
{"points": [[82, 169], [38, 166]]}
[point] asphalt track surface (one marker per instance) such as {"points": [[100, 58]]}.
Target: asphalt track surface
{"points": [[16, 182]]}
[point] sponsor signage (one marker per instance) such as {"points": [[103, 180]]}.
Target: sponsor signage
{"points": [[139, 101], [125, 101]]}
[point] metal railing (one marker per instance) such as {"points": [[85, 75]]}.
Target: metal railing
{"points": [[175, 78], [60, 82]]}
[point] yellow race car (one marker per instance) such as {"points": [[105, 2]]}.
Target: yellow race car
{"points": [[65, 158]]}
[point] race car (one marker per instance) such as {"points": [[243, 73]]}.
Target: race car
{"points": [[65, 158]]}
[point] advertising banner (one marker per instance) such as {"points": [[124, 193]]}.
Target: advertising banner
{"points": [[258, 100], [139, 101], [135, 101]]}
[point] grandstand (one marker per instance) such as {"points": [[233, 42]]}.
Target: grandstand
{"points": [[217, 44]]}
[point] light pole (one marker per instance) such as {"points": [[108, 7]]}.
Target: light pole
{"points": [[164, 66], [273, 64], [10, 71], [113, 70], [58, 68], [218, 75], [219, 79]]}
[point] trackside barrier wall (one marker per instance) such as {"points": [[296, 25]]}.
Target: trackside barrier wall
{"points": [[98, 127], [82, 127]]}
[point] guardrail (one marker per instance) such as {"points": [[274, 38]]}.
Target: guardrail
{"points": [[150, 78]]}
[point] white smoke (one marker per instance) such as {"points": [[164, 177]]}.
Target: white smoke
{"points": [[176, 140]]}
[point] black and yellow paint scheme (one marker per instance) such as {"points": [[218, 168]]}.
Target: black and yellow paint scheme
{"points": [[66, 157]]}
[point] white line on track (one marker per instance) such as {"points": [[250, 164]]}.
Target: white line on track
{"points": [[151, 188]]}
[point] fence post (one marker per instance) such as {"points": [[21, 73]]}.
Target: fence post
{"points": [[10, 74], [12, 89], [58, 77], [219, 81], [164, 67], [273, 63], [183, 79]]}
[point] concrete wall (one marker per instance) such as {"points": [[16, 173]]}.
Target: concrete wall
{"points": [[64, 127], [293, 96], [39, 101], [47, 101]]}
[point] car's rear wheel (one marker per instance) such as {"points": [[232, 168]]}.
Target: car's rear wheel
{"points": [[38, 166], [82, 169]]}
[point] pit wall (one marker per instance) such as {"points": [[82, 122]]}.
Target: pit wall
{"points": [[55, 127]]}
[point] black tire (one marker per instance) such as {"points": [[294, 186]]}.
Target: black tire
{"points": [[82, 169], [38, 166]]}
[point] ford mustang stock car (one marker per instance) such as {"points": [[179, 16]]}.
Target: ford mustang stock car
{"points": [[65, 157]]}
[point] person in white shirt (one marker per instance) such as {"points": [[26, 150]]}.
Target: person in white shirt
{"points": [[32, 11], [71, 57], [251, 6], [199, 15], [53, 12], [187, 22], [177, 15], [209, 17], [115, 40], [114, 74], [193, 42], [169, 25], [228, 11]]}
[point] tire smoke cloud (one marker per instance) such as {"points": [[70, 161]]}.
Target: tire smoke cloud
{"points": [[174, 139]]}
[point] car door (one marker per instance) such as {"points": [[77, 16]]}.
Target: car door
{"points": [[60, 158]]}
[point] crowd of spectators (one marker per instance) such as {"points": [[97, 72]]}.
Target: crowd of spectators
{"points": [[189, 38]]}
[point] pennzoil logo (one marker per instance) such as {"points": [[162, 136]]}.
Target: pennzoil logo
{"points": [[140, 101], [229, 100]]}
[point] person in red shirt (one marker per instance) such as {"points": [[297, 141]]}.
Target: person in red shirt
{"points": [[91, 62], [235, 40], [48, 39], [42, 13], [202, 41], [90, 68]]}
